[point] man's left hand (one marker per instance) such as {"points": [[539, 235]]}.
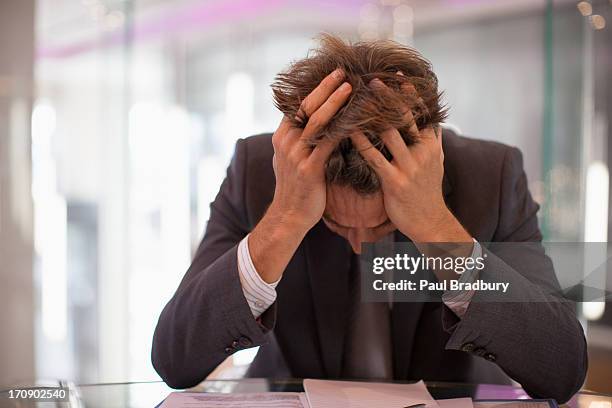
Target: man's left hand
{"points": [[412, 181]]}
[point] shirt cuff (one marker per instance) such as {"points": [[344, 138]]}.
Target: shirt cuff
{"points": [[459, 300], [258, 293]]}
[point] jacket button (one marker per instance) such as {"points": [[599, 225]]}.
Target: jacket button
{"points": [[490, 357], [229, 350], [479, 351], [244, 341], [468, 347]]}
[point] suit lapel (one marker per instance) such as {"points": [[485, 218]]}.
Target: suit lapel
{"points": [[328, 259]]}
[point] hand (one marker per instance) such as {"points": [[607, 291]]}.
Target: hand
{"points": [[300, 193], [299, 169], [412, 181]]}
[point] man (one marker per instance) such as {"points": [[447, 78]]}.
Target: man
{"points": [[360, 157]]}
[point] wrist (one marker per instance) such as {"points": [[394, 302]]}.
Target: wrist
{"points": [[287, 221], [442, 228], [272, 243]]}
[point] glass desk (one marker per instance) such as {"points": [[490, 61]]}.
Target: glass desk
{"points": [[150, 394]]}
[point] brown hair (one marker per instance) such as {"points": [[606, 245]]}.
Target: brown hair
{"points": [[366, 109]]}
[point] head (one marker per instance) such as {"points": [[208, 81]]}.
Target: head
{"points": [[355, 207]]}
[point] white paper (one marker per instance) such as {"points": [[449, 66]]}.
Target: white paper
{"points": [[251, 400], [351, 394], [455, 403]]}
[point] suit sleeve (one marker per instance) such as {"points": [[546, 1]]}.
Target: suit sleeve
{"points": [[208, 318], [535, 338]]}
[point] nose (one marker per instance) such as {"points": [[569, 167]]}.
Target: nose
{"points": [[355, 237]]}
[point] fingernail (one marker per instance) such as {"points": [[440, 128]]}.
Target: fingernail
{"points": [[400, 73], [338, 73], [376, 83], [345, 86]]}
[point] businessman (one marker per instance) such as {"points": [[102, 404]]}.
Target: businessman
{"points": [[360, 157]]}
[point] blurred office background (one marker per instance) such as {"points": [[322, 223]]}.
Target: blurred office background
{"points": [[118, 119]]}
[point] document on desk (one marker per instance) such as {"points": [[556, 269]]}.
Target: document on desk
{"points": [[455, 403], [515, 404], [354, 394], [251, 400]]}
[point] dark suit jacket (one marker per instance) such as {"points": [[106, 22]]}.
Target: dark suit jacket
{"points": [[541, 344]]}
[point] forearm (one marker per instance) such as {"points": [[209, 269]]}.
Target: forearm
{"points": [[273, 242], [196, 331], [549, 361], [530, 333], [444, 237]]}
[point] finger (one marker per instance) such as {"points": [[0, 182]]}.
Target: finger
{"points": [[300, 150], [322, 151], [429, 136], [322, 92], [284, 125], [326, 111], [396, 145], [373, 156], [285, 134], [408, 117], [379, 86], [409, 89], [428, 144], [406, 86], [413, 129], [437, 129]]}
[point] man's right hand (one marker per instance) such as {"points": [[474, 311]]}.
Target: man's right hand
{"points": [[300, 194]]}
